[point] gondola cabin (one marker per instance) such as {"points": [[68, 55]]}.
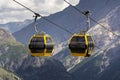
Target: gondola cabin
{"points": [[81, 45], [41, 45]]}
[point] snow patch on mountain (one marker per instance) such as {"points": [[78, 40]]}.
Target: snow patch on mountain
{"points": [[59, 47], [105, 62], [76, 61], [103, 36]]}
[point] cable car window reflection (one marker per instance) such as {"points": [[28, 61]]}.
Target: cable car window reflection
{"points": [[37, 44], [77, 44], [78, 39]]}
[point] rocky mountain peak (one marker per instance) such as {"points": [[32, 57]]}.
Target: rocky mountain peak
{"points": [[4, 34]]}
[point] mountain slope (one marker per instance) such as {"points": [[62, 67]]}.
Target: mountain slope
{"points": [[15, 26], [5, 75], [12, 52], [6, 35], [103, 67], [14, 57], [101, 36], [50, 69], [113, 70]]}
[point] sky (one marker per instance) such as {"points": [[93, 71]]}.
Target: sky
{"points": [[12, 12]]}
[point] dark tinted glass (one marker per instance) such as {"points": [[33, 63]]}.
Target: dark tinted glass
{"points": [[37, 39], [78, 39]]}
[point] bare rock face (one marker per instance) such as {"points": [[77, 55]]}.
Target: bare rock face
{"points": [[5, 35], [6, 75], [12, 52], [51, 69]]}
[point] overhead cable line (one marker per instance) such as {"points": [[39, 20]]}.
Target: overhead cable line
{"points": [[91, 18], [38, 15]]}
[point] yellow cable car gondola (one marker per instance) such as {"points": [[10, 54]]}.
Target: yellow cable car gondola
{"points": [[81, 45], [41, 45]]}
